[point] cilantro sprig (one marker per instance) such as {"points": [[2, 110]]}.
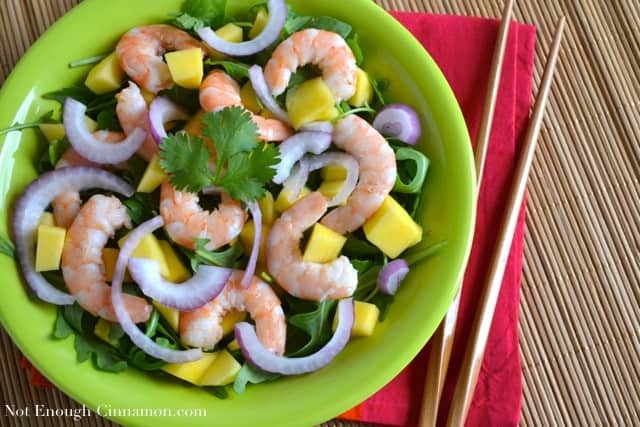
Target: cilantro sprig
{"points": [[242, 165]]}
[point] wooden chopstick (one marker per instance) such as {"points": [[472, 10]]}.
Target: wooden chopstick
{"points": [[442, 341], [484, 316]]}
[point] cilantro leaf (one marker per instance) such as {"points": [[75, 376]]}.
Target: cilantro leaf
{"points": [[231, 130], [186, 160], [248, 172], [236, 70]]}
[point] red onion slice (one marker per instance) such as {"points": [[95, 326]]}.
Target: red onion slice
{"points": [[295, 147], [301, 172], [91, 148], [161, 111], [32, 203], [271, 32], [256, 213], [256, 354], [204, 286], [145, 343], [391, 275], [318, 127], [262, 90], [399, 121]]}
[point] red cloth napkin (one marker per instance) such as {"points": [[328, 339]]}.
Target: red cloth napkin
{"points": [[463, 48]]}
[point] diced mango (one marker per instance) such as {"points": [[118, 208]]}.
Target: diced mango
{"points": [[282, 201], [178, 273], [309, 101], [231, 33], [333, 173], [171, 315], [365, 319], [249, 98], [262, 17], [102, 329], [153, 176], [191, 371], [148, 96], [364, 90], [330, 188], [105, 76], [230, 319], [222, 371], [55, 131], [267, 207], [186, 67], [392, 229], [49, 247], [47, 219], [109, 258], [247, 235], [233, 345], [149, 248], [194, 125], [328, 115], [324, 244]]}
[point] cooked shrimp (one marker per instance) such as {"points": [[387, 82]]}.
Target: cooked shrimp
{"points": [[202, 327], [219, 90], [323, 48], [185, 220], [67, 205], [132, 112], [377, 173], [82, 265], [302, 279], [140, 52]]}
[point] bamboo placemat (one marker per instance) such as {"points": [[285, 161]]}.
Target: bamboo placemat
{"points": [[580, 303]]}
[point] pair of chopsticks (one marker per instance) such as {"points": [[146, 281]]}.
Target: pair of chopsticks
{"points": [[443, 339]]}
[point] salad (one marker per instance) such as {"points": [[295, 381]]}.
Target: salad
{"points": [[226, 198]]}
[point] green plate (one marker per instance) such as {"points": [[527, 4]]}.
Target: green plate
{"points": [[367, 364]]}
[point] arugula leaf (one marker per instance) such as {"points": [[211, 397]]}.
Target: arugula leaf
{"points": [[419, 254], [186, 98], [218, 391], [109, 362], [331, 24], [57, 149], [383, 302], [140, 207], [295, 22], [354, 43], [87, 61], [61, 328], [237, 70], [223, 258], [317, 324], [232, 131], [108, 119], [6, 247], [79, 93], [83, 348], [210, 12], [186, 22], [249, 374], [186, 159], [379, 88]]}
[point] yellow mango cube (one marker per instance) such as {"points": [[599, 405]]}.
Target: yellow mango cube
{"points": [[149, 248], [268, 209], [171, 315], [310, 101], [324, 245], [153, 176], [330, 189], [282, 201], [55, 131], [222, 371], [364, 321], [178, 273], [148, 96], [333, 173], [49, 247], [109, 258], [230, 319], [186, 67], [231, 33], [247, 235], [47, 219], [262, 17], [191, 371], [392, 229], [194, 125], [102, 329], [105, 76], [249, 98], [364, 90], [328, 115]]}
